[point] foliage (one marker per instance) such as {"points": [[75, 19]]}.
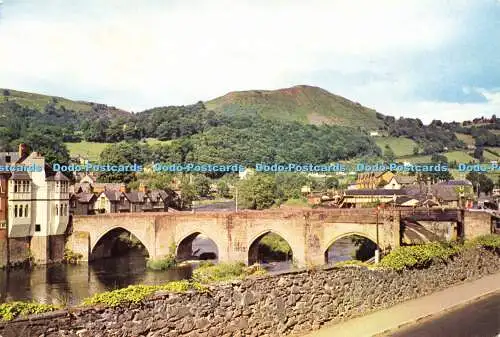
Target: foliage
{"points": [[488, 241], [164, 263], [225, 272], [350, 263], [275, 243], [201, 185], [138, 293], [485, 184], [71, 257], [419, 256], [257, 191], [11, 310]]}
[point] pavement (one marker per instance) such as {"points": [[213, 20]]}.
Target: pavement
{"points": [[383, 322]]}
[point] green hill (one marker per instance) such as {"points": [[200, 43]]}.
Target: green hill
{"points": [[39, 102], [306, 104]]}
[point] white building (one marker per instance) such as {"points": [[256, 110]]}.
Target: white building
{"points": [[38, 202]]}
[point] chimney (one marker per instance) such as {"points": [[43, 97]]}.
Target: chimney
{"points": [[143, 188], [23, 150], [123, 188]]}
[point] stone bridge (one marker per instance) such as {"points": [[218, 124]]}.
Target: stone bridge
{"points": [[308, 232]]}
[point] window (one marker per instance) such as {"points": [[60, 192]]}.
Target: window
{"points": [[57, 209], [7, 159], [26, 211], [15, 211], [38, 228], [15, 186]]}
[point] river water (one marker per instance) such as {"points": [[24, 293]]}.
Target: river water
{"points": [[69, 284]]}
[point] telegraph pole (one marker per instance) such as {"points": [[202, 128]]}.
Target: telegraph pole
{"points": [[377, 250]]}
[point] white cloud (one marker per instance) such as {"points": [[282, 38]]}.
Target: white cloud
{"points": [[196, 50]]}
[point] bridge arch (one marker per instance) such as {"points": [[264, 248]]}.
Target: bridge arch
{"points": [[253, 245], [184, 245], [330, 243], [107, 246]]}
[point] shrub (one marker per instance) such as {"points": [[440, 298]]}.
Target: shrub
{"points": [[491, 241], [11, 310], [138, 293], [71, 257], [164, 263], [419, 256], [225, 272]]}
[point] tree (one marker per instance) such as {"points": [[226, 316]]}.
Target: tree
{"points": [[257, 192], [201, 185], [485, 184], [188, 194], [479, 154], [6, 92], [439, 158], [50, 145]]}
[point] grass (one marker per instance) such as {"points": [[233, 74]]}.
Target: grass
{"points": [[300, 202], [92, 150], [38, 101], [88, 150], [399, 145], [459, 157], [305, 104], [467, 139]]}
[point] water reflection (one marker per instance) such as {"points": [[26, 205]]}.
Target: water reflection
{"points": [[69, 284]]}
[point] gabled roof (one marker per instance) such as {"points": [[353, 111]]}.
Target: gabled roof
{"points": [[405, 180], [20, 175], [57, 176], [136, 197], [113, 196], [85, 198]]}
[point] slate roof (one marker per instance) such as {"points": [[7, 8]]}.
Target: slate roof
{"points": [[456, 183], [445, 192], [378, 191], [7, 158], [83, 197], [112, 195]]}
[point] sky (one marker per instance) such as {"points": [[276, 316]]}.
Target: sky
{"points": [[431, 59]]}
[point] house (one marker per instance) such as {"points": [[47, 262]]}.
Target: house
{"points": [[398, 182], [38, 200], [110, 202], [82, 203], [374, 133], [366, 197], [373, 179], [7, 159]]}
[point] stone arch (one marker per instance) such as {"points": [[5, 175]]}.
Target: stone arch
{"points": [[252, 244], [108, 246], [344, 235], [184, 246]]}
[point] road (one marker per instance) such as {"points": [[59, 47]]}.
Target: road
{"points": [[478, 319]]}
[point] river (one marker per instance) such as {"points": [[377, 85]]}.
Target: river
{"points": [[69, 284]]}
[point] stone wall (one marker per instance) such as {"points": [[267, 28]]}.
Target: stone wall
{"points": [[268, 306]]}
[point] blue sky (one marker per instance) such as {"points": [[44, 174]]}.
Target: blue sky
{"points": [[418, 58]]}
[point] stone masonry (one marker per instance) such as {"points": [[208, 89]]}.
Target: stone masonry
{"points": [[269, 306]]}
